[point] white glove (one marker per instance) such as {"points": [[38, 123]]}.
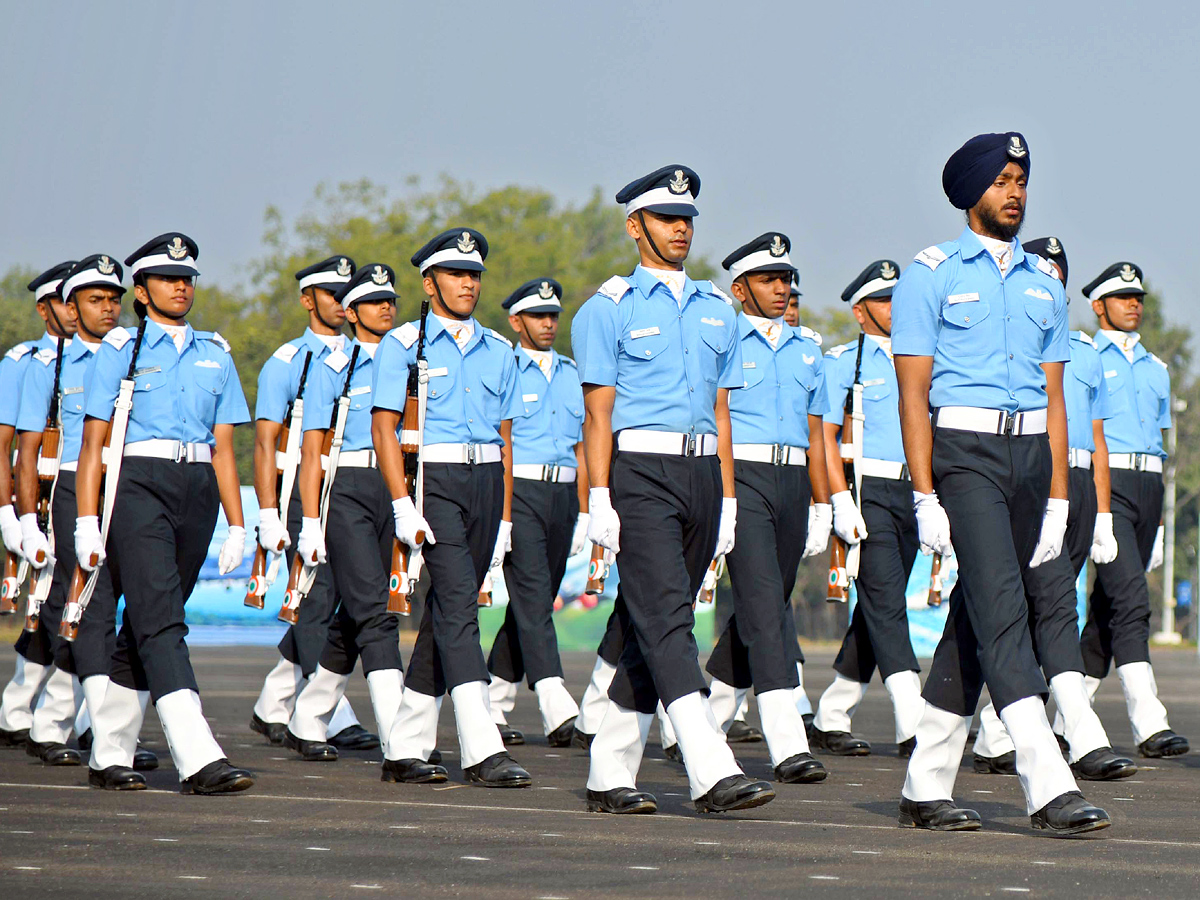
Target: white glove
{"points": [[34, 545], [272, 535], [1156, 555], [579, 535], [10, 529], [848, 522], [933, 528], [1054, 527], [311, 543], [727, 526], [605, 525], [1104, 542], [409, 522], [503, 544], [233, 550], [87, 542], [820, 521]]}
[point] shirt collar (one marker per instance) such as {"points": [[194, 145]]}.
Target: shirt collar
{"points": [[746, 327], [434, 327], [313, 342], [155, 333], [77, 350], [970, 246], [524, 360], [645, 281], [1102, 340]]}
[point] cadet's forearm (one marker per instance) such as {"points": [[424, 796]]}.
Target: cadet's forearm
{"points": [[28, 444], [384, 423], [725, 441], [817, 475], [835, 468], [266, 438], [309, 476], [1056, 428], [506, 460], [224, 464], [1101, 474], [914, 373], [597, 433], [87, 476], [581, 479]]}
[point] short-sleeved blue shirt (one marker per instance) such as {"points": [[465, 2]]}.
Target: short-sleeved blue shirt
{"points": [[38, 387], [546, 433], [666, 359], [881, 395], [470, 393], [12, 371], [988, 335], [279, 380], [176, 396], [781, 387], [1085, 393], [1141, 395], [326, 382]]}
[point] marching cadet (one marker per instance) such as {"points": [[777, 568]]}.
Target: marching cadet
{"points": [[176, 464], [1050, 588], [357, 524], [979, 332], [35, 672], [547, 524], [279, 384], [882, 520], [776, 426], [791, 315], [657, 354], [1118, 624], [466, 459]]}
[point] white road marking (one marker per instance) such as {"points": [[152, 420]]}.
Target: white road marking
{"points": [[405, 827], [1042, 862], [1016, 890], [825, 877], [981, 792], [20, 832], [193, 877], [28, 868], [866, 852], [166, 840], [1122, 798], [316, 848], [476, 858], [553, 756], [550, 834], [261, 821], [368, 887], [644, 868], [707, 843], [128, 815]]}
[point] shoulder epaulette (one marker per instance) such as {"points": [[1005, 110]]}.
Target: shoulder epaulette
{"points": [[498, 336], [931, 256], [286, 352], [337, 360], [711, 288], [118, 337], [46, 356], [18, 351], [1159, 361], [1083, 337], [615, 288], [406, 334], [215, 337], [570, 362], [813, 336], [835, 352], [1045, 268]]}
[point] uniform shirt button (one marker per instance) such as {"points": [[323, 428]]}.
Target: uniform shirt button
{"points": [[692, 389], [686, 350], [1010, 356], [470, 421], [966, 318], [468, 390], [647, 352], [1043, 321]]}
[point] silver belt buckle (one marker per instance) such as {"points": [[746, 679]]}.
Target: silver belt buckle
{"points": [[471, 454], [1008, 424], [1139, 462], [180, 452], [904, 476], [689, 446], [549, 473], [777, 454]]}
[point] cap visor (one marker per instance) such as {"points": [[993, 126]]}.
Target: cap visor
{"points": [[771, 267], [882, 294], [1125, 291], [673, 209], [185, 271], [100, 283], [376, 296], [457, 266]]}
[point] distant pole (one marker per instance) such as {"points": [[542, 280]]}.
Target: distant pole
{"points": [[1168, 635]]}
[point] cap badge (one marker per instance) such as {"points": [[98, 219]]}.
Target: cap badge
{"points": [[379, 276], [343, 267], [777, 246], [1053, 247], [1015, 148], [466, 243], [678, 184], [887, 271], [545, 291], [105, 266], [1127, 273], [176, 248]]}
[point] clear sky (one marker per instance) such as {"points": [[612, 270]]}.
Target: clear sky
{"points": [[830, 122]]}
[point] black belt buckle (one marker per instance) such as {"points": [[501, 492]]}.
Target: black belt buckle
{"points": [[777, 453], [689, 446]]}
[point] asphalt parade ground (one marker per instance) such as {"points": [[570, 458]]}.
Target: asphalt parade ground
{"points": [[335, 830]]}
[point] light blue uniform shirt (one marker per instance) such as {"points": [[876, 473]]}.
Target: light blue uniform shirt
{"points": [[546, 433], [667, 360], [38, 386], [1141, 393], [279, 380], [325, 384], [470, 393], [176, 396], [881, 395], [12, 371], [780, 387], [1086, 396], [988, 335]]}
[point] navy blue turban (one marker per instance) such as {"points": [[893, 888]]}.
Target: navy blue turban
{"points": [[975, 165]]}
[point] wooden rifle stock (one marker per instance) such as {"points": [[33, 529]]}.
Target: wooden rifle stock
{"points": [[10, 586], [289, 612], [257, 586], [597, 571], [485, 590], [68, 629], [399, 590], [934, 598], [839, 583]]}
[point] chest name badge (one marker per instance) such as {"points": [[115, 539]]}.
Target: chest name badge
{"points": [[148, 370], [73, 390], [961, 298], [1111, 373], [644, 332], [440, 370], [354, 392], [529, 398], [874, 382], [749, 365]]}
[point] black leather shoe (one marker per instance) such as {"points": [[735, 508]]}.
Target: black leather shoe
{"points": [[735, 792], [582, 739], [1165, 743], [84, 741], [1070, 814], [311, 751], [355, 738], [13, 738], [116, 778], [621, 801], [808, 725], [673, 753], [144, 760], [499, 771], [217, 778], [800, 769], [561, 736], [435, 757], [53, 754], [939, 815], [839, 743], [741, 733], [1103, 765], [412, 771], [905, 749], [510, 736], [272, 731], [1004, 764]]}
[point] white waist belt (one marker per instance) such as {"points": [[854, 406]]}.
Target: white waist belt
{"points": [[556, 474], [667, 443], [281, 461], [72, 466], [1138, 462], [775, 454], [176, 451], [882, 468], [467, 454], [356, 459], [1079, 459], [992, 421]]}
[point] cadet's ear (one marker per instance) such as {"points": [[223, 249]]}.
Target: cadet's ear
{"points": [[352, 315], [428, 286], [1098, 308], [859, 315], [633, 228], [308, 300], [738, 291]]}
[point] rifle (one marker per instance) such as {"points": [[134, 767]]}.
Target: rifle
{"points": [[49, 457], [15, 570], [598, 566], [406, 563], [262, 577], [839, 581], [485, 590], [83, 584], [844, 559], [934, 597], [708, 588], [301, 576]]}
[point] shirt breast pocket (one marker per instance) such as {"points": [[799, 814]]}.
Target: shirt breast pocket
{"points": [[645, 360], [492, 383], [802, 383], [1042, 316], [208, 386], [752, 377], [965, 314], [715, 343]]}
